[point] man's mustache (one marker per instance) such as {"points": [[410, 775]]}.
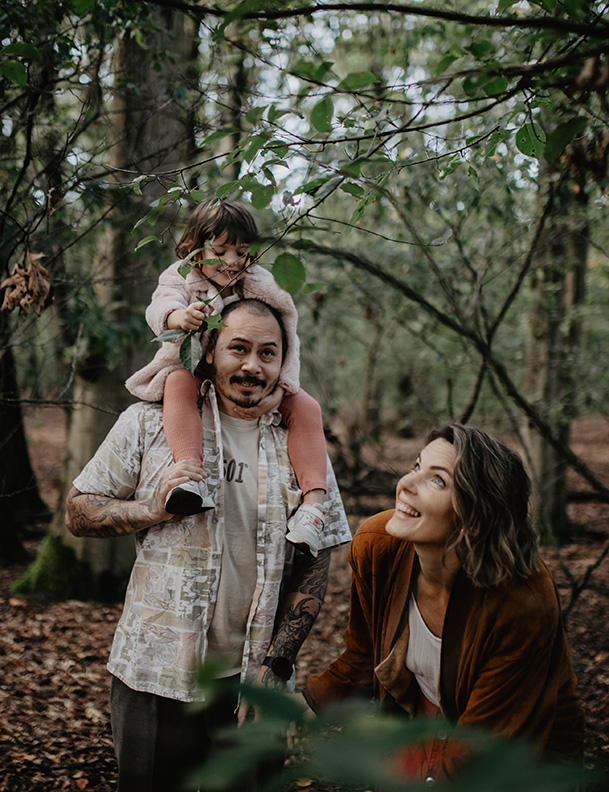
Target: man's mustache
{"points": [[239, 379]]}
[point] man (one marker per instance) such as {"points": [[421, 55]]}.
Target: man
{"points": [[208, 584]]}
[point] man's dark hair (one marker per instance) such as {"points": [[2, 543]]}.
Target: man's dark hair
{"points": [[258, 308]]}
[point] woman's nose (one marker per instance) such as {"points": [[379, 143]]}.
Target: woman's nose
{"points": [[409, 481]]}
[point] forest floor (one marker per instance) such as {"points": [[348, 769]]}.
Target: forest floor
{"points": [[54, 714]]}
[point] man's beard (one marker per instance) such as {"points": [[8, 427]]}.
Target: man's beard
{"points": [[246, 400]]}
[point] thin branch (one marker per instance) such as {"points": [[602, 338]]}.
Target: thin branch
{"points": [[567, 26], [494, 365]]}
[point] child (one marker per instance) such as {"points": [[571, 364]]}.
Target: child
{"points": [[223, 273]]}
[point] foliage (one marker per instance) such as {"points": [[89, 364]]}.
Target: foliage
{"points": [[351, 744], [394, 155]]}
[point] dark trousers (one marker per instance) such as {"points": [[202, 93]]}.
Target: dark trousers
{"points": [[159, 741]]}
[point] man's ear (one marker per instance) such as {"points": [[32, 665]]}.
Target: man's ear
{"points": [[209, 352]]}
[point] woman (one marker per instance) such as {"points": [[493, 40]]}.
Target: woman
{"points": [[453, 614]]}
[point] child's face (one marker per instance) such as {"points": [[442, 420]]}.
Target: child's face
{"points": [[229, 261]]}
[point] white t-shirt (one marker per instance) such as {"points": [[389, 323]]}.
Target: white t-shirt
{"points": [[240, 440], [423, 654]]}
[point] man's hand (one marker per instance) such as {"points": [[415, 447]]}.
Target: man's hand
{"points": [[103, 517], [265, 678], [175, 475], [270, 402]]}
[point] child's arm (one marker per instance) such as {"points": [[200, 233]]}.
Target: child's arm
{"points": [[188, 319], [171, 294]]}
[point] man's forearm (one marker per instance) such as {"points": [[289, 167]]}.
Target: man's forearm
{"points": [[302, 605], [103, 517]]}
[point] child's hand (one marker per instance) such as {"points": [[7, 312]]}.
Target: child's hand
{"points": [[187, 319]]}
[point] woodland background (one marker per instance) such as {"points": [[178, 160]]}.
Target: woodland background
{"points": [[431, 187]]}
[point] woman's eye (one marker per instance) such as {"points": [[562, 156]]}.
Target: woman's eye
{"points": [[439, 480]]}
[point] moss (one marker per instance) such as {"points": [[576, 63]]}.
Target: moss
{"points": [[57, 574]]}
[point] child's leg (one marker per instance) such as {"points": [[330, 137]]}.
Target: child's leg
{"points": [[181, 419], [308, 455], [184, 433], [306, 441]]}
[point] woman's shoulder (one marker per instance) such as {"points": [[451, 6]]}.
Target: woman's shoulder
{"points": [[372, 545], [528, 601]]}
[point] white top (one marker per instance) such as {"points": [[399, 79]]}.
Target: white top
{"points": [[238, 572], [423, 654]]}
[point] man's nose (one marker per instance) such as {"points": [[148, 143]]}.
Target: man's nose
{"points": [[251, 363]]}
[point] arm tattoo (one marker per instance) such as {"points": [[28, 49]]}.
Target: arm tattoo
{"points": [[310, 575], [297, 623], [102, 517], [309, 585]]}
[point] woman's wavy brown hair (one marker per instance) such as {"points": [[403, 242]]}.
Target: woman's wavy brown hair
{"points": [[495, 541], [212, 218]]}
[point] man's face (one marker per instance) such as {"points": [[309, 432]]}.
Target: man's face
{"points": [[246, 360]]}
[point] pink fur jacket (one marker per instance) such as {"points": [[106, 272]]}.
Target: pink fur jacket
{"points": [[174, 291]]}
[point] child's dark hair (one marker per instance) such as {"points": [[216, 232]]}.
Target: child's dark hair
{"points": [[214, 217]]}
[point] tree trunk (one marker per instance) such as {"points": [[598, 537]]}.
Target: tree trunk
{"points": [[554, 337], [150, 133], [20, 503]]}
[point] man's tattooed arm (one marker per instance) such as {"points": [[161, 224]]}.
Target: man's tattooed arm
{"points": [[302, 605], [104, 517]]}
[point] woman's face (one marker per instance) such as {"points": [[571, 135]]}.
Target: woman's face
{"points": [[424, 508]]}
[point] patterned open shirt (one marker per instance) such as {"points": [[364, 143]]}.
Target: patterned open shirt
{"points": [[161, 637]]}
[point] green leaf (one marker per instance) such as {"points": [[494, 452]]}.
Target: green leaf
{"points": [[82, 6], [560, 137], [22, 50], [214, 321], [190, 352], [321, 115], [315, 72], [481, 49], [243, 8], [254, 144], [146, 241], [530, 140], [169, 335], [495, 86], [262, 195], [547, 5], [352, 189], [358, 80], [227, 188], [503, 4], [311, 187], [15, 71], [197, 195], [254, 114], [309, 288], [446, 61], [289, 272], [220, 133]]}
